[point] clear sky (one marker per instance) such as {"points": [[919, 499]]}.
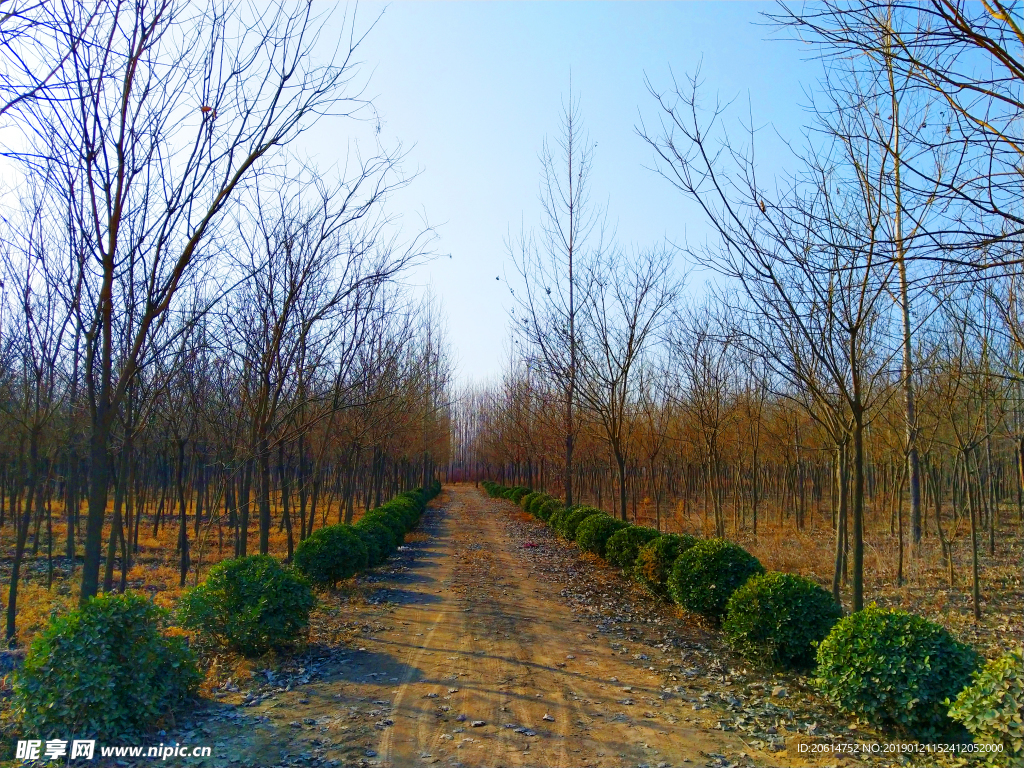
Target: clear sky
{"points": [[471, 89]]}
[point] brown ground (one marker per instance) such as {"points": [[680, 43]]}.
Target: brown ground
{"points": [[563, 661]]}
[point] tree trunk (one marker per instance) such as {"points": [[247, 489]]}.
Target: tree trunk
{"points": [[117, 524], [183, 563], [620, 462], [842, 494], [303, 491], [858, 513], [972, 513], [99, 478], [21, 535], [243, 509], [264, 500], [70, 504], [282, 469]]}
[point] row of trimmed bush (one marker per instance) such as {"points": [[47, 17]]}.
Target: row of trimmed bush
{"points": [[112, 668], [338, 552], [254, 604], [887, 666]]}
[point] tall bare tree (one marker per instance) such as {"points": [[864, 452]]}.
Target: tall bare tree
{"points": [[626, 310], [555, 268], [170, 109], [811, 268]]}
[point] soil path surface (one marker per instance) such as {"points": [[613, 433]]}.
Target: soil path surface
{"points": [[488, 642]]}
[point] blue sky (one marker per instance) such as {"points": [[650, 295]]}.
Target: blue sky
{"points": [[471, 89]]}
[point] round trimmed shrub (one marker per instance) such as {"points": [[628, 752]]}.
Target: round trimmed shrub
{"points": [[777, 619], [573, 517], [527, 500], [558, 519], [534, 506], [593, 533], [330, 555], [415, 497], [385, 539], [391, 521], [894, 669], [518, 492], [704, 577], [548, 510], [555, 521], [103, 671], [252, 605], [406, 509], [654, 561], [992, 709], [623, 547], [370, 544]]}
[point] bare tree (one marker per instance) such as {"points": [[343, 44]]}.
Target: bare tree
{"points": [[811, 268], [36, 324], [966, 58], [631, 298], [555, 272], [703, 345], [37, 40], [171, 109], [317, 258]]}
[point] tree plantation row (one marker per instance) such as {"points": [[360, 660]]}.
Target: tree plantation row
{"points": [[110, 669], [747, 462], [846, 384], [207, 345], [896, 670]]}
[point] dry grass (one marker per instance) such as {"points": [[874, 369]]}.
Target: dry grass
{"points": [[37, 605], [154, 570], [811, 552]]}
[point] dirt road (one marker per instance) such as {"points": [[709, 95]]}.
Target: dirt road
{"points": [[490, 643]]}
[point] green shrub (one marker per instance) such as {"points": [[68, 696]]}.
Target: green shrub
{"points": [[377, 541], [527, 500], [593, 533], [777, 619], [623, 547], [407, 511], [992, 709], [390, 520], [572, 518], [548, 510], [518, 492], [252, 604], [385, 538], [704, 577], [533, 506], [330, 555], [555, 520], [494, 490], [894, 669], [417, 498], [655, 559], [104, 671]]}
